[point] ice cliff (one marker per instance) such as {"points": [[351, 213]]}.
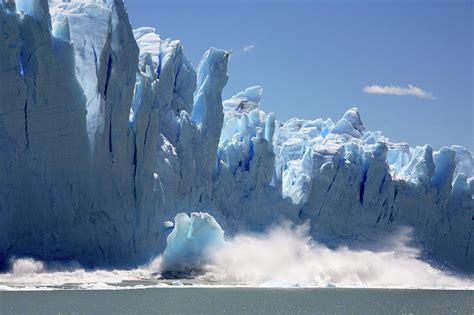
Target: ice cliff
{"points": [[106, 132]]}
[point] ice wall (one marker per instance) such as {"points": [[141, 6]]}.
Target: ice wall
{"points": [[44, 151], [106, 132]]}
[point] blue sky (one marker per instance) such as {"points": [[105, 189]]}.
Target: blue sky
{"points": [[314, 58]]}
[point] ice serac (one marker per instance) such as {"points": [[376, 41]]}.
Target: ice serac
{"points": [[107, 132]]}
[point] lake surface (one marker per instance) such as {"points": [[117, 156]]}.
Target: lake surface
{"points": [[239, 301]]}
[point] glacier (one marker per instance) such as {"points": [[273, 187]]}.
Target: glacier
{"points": [[108, 132]]}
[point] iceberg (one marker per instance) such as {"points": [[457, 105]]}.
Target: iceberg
{"points": [[189, 242], [107, 132]]}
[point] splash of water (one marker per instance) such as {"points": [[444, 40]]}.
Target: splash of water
{"points": [[288, 256], [28, 274], [285, 256]]}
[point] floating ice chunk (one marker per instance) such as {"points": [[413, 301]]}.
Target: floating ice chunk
{"points": [[189, 242], [177, 283], [280, 284], [168, 224]]}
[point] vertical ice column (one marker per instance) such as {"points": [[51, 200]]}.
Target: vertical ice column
{"points": [[207, 110], [211, 79], [71, 22]]}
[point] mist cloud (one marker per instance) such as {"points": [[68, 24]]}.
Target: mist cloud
{"points": [[284, 256], [287, 255]]}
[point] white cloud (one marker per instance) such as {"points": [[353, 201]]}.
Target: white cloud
{"points": [[242, 50], [247, 48], [398, 90]]}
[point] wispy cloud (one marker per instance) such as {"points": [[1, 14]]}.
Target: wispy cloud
{"points": [[247, 48], [242, 50], [398, 90]]}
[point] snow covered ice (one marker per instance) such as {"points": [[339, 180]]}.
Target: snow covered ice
{"points": [[108, 132]]}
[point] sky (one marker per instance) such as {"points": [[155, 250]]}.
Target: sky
{"points": [[407, 65]]}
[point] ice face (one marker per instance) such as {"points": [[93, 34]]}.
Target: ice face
{"points": [[106, 133], [72, 22]]}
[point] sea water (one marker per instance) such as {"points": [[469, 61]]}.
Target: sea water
{"points": [[189, 300]]}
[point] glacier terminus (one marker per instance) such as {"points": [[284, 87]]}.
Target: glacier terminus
{"points": [[107, 133]]}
